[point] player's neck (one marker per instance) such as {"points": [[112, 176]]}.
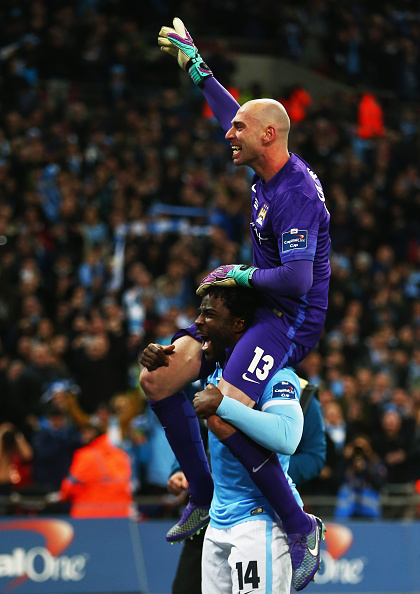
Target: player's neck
{"points": [[272, 165]]}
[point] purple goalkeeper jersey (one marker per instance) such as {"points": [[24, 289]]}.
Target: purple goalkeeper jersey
{"points": [[289, 222]]}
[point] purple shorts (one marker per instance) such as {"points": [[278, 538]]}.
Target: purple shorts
{"points": [[260, 352]]}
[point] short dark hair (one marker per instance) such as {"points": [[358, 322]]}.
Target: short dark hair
{"points": [[240, 301]]}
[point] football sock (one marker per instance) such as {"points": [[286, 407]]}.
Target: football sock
{"points": [[179, 421]]}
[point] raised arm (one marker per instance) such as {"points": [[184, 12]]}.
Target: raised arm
{"points": [[177, 42]]}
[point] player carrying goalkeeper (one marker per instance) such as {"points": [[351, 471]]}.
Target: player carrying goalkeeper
{"points": [[291, 271]]}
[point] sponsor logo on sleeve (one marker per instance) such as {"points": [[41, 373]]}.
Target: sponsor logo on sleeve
{"points": [[285, 390], [294, 239]]}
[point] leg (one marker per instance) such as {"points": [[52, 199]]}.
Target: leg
{"points": [[188, 574], [183, 369], [259, 558], [177, 417], [215, 569]]}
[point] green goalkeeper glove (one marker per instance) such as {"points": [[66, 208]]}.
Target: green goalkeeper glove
{"points": [[178, 43], [228, 276]]}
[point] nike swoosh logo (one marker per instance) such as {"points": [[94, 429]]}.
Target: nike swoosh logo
{"points": [[253, 188], [315, 550], [206, 517], [248, 379], [260, 466]]}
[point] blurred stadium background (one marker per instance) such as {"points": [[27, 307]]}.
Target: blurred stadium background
{"points": [[117, 194]]}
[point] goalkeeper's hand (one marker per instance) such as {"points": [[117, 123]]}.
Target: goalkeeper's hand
{"points": [[178, 43], [228, 276]]}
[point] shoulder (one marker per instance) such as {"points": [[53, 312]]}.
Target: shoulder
{"points": [[302, 183], [284, 386], [82, 457]]}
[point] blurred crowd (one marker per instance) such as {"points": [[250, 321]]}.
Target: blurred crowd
{"points": [[117, 195]]}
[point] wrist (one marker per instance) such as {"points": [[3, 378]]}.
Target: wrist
{"points": [[220, 410], [198, 70], [250, 275], [243, 275]]}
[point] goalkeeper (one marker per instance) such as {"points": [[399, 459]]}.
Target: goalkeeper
{"points": [[291, 271]]}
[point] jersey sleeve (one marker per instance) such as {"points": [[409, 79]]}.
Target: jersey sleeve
{"points": [[278, 426], [223, 105], [296, 224]]}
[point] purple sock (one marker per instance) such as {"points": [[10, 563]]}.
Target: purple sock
{"points": [[265, 470], [177, 417]]}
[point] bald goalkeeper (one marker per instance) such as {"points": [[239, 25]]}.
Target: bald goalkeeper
{"points": [[290, 272]]}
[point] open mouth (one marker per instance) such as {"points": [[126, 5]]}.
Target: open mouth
{"points": [[235, 150], [205, 343]]}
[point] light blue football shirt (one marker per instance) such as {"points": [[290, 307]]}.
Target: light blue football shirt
{"points": [[236, 498]]}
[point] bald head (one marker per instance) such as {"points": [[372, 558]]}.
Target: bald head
{"points": [[268, 112], [259, 136]]}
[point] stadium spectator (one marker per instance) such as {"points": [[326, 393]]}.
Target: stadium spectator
{"points": [[392, 444], [361, 477], [335, 424], [54, 440], [16, 457], [99, 481]]}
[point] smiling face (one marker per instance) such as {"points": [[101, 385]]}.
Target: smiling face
{"points": [[258, 136], [218, 328], [245, 136]]}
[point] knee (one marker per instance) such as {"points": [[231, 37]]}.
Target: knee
{"points": [[148, 384]]}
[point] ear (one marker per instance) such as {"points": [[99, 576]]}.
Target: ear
{"points": [[269, 134], [239, 325]]}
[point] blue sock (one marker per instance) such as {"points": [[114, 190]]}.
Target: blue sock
{"points": [[265, 470], [177, 417]]}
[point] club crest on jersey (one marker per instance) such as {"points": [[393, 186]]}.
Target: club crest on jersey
{"points": [[294, 239], [261, 215], [284, 390]]}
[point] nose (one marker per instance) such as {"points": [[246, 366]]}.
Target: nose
{"points": [[199, 320], [230, 134]]}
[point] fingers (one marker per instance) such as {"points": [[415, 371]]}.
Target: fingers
{"points": [[177, 483], [165, 44], [165, 30], [179, 27], [167, 349], [172, 51], [225, 282], [156, 355]]}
